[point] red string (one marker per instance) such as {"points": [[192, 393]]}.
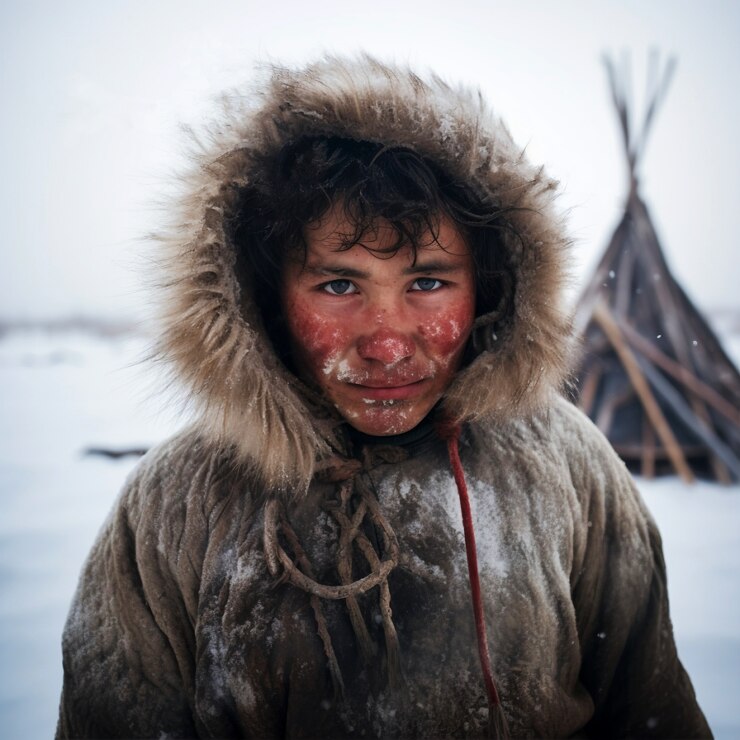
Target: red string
{"points": [[471, 552]]}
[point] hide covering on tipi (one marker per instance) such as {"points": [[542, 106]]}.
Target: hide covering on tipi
{"points": [[654, 377]]}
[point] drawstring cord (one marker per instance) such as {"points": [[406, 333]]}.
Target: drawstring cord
{"points": [[299, 573], [297, 570], [496, 718]]}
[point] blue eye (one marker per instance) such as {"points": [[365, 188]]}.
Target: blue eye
{"points": [[427, 284], [339, 287]]}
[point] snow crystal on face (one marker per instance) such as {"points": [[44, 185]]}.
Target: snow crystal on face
{"points": [[434, 330], [331, 363], [344, 372]]}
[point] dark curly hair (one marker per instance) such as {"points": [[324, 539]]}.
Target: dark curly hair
{"points": [[368, 181]]}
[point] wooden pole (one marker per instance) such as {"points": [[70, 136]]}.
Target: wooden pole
{"points": [[680, 373], [588, 389], [699, 393], [604, 318], [648, 449], [611, 404], [681, 408]]}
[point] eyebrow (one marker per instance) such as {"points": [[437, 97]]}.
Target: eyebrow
{"points": [[419, 268]]}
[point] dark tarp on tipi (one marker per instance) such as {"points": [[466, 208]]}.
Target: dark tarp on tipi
{"points": [[654, 377]]}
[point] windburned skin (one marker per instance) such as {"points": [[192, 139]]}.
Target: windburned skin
{"points": [[380, 335]]}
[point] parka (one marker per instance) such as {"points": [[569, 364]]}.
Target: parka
{"points": [[272, 572]]}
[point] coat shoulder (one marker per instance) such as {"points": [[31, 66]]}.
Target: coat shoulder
{"points": [[183, 472], [597, 471], [561, 437], [561, 455]]}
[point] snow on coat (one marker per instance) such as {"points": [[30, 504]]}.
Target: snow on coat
{"points": [[180, 628]]}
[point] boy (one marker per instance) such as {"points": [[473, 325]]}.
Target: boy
{"points": [[364, 295]]}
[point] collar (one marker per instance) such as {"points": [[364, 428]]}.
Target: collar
{"points": [[412, 442]]}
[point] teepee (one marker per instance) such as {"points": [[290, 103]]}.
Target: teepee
{"points": [[654, 377]]}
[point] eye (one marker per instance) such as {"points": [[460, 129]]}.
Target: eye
{"points": [[426, 284], [339, 287]]}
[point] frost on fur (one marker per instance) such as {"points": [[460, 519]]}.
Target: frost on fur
{"points": [[213, 335]]}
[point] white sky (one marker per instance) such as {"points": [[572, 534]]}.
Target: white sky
{"points": [[93, 93]]}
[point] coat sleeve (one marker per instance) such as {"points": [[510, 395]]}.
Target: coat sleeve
{"points": [[630, 665], [128, 641]]}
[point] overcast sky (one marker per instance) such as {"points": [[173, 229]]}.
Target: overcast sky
{"points": [[93, 93]]}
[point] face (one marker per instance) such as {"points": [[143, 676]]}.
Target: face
{"points": [[381, 336]]}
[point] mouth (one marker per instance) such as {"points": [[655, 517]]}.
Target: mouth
{"points": [[389, 392]]}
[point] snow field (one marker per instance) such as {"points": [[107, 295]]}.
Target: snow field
{"points": [[60, 393]]}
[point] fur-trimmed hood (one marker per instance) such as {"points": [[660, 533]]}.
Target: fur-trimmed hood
{"points": [[212, 331]]}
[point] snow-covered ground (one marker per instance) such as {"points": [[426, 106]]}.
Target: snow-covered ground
{"points": [[61, 393]]}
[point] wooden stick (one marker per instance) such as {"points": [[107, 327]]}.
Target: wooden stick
{"points": [[718, 467], [681, 374], [648, 449], [611, 404], [588, 390], [681, 408], [654, 262], [642, 388], [633, 451], [687, 360], [696, 401], [625, 276], [595, 289]]}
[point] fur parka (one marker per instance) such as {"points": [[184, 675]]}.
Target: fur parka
{"points": [[222, 599]]}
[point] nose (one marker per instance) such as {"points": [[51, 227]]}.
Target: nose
{"points": [[385, 345]]}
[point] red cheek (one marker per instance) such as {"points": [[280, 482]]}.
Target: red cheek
{"points": [[446, 332], [317, 337]]}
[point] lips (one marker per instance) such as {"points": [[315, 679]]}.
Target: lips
{"points": [[383, 391]]}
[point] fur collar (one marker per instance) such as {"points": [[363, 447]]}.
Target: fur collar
{"points": [[212, 335]]}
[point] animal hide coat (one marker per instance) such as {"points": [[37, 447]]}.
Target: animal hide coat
{"points": [[193, 617]]}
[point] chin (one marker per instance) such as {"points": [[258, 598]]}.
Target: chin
{"points": [[385, 419]]}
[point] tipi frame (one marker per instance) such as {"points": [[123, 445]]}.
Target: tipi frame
{"points": [[654, 377]]}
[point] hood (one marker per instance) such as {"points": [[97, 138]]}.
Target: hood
{"points": [[212, 333]]}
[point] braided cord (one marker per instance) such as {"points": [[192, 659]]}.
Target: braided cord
{"points": [[298, 571]]}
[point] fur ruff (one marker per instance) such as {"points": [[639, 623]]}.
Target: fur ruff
{"points": [[212, 333]]}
